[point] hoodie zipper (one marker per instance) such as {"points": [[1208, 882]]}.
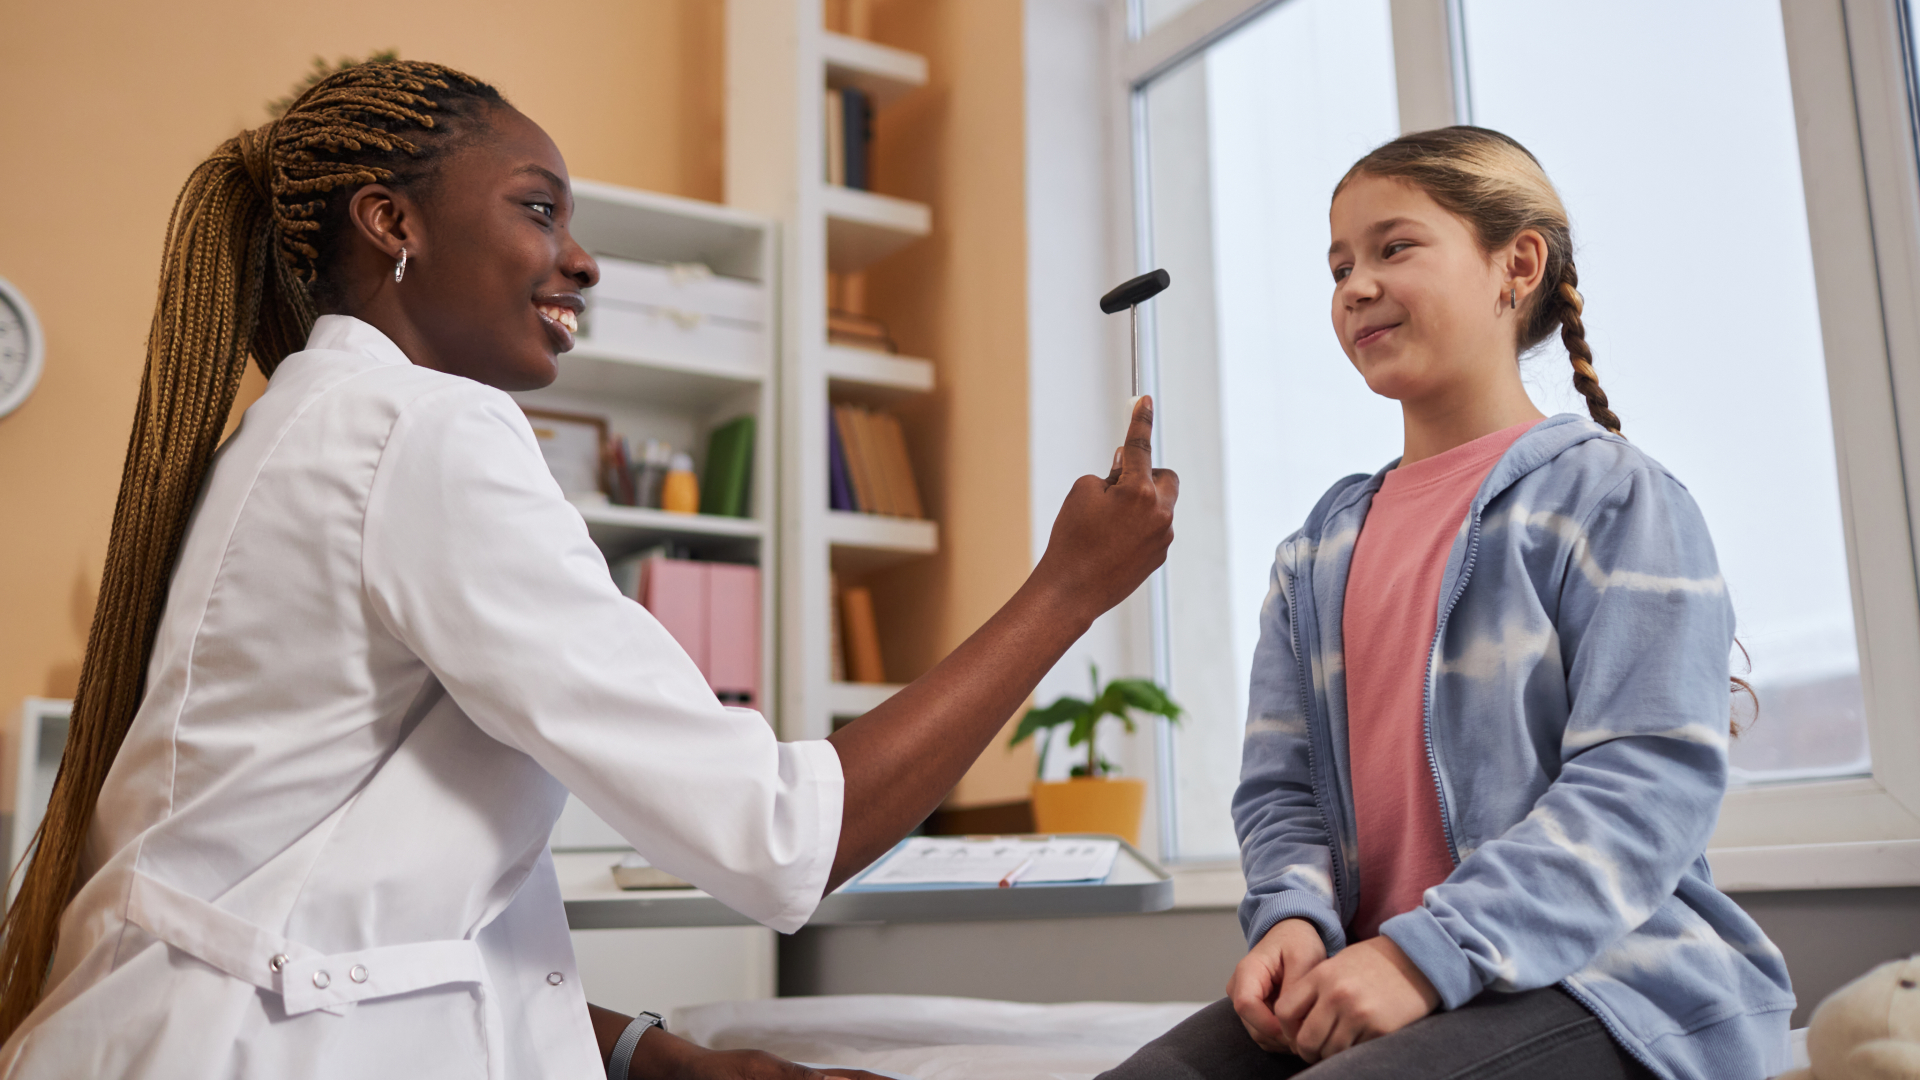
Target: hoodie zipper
{"points": [[1426, 693], [1303, 670]]}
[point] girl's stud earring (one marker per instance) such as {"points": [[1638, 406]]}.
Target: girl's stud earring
{"points": [[400, 266], [1513, 291]]}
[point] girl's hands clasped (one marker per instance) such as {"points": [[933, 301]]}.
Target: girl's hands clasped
{"points": [[1292, 997]]}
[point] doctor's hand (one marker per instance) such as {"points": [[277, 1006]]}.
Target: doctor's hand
{"points": [[1366, 991], [663, 1056], [1111, 533], [1281, 958]]}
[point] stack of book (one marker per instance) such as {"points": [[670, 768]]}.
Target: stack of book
{"points": [[868, 471], [712, 609], [848, 127], [858, 331]]}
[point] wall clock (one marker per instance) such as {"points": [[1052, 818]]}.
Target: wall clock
{"points": [[22, 348]]}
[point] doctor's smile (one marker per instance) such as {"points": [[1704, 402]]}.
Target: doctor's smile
{"points": [[328, 837], [753, 679]]}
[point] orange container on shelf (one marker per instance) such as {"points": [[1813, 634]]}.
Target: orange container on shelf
{"points": [[680, 491]]}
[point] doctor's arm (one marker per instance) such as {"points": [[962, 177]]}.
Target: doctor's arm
{"points": [[901, 759]]}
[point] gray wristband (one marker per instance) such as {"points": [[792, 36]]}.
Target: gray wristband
{"points": [[622, 1056]]}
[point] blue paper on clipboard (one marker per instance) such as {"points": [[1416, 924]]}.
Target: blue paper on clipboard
{"points": [[952, 862]]}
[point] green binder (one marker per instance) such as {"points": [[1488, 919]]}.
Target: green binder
{"points": [[725, 490]]}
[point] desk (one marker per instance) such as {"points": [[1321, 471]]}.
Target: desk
{"points": [[594, 902]]}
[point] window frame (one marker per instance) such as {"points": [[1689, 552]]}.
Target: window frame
{"points": [[1860, 159]]}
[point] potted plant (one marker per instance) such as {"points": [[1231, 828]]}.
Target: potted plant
{"points": [[1093, 800]]}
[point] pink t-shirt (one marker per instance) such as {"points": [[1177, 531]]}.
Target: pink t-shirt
{"points": [[1393, 601]]}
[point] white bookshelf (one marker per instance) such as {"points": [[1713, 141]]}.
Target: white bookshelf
{"points": [[680, 399], [780, 62], [846, 700]]}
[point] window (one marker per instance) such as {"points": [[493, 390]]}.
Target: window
{"points": [[1244, 142], [1736, 324], [1682, 175]]}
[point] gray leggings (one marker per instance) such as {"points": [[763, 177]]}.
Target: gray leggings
{"points": [[1539, 1033]]}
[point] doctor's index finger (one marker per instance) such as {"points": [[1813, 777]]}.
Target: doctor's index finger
{"points": [[1136, 456]]}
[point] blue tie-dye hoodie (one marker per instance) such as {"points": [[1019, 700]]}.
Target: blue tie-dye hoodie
{"points": [[1576, 723]]}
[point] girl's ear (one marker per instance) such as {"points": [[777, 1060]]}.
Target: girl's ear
{"points": [[381, 217], [1526, 265]]}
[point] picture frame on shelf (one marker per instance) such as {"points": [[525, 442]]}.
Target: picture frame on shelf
{"points": [[573, 445]]}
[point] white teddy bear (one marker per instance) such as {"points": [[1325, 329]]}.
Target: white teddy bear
{"points": [[1868, 1029]]}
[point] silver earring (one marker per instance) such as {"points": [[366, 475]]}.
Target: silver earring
{"points": [[400, 266], [1513, 291]]}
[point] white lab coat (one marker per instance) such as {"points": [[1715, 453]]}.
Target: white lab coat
{"points": [[388, 651]]}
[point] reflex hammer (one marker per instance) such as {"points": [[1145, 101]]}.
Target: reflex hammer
{"points": [[1130, 295]]}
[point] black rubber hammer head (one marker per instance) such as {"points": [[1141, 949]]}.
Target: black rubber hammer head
{"points": [[1128, 293]]}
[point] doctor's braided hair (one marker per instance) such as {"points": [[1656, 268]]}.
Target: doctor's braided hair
{"points": [[247, 267], [1499, 189]]}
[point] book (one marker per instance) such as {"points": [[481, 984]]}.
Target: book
{"points": [[839, 483], [837, 660], [726, 490], [633, 871], [862, 635], [834, 132], [856, 127], [896, 465], [858, 331], [858, 462]]}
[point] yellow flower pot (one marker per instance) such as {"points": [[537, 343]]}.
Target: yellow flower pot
{"points": [[1098, 804]]}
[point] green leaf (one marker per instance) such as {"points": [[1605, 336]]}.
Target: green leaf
{"points": [[1063, 711], [1145, 695]]}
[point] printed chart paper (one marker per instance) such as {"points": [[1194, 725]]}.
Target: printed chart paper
{"points": [[939, 860]]}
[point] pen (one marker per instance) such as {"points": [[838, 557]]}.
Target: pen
{"points": [[1013, 874]]}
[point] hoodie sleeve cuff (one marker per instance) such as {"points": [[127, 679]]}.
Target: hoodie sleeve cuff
{"points": [[1261, 914], [1432, 950]]}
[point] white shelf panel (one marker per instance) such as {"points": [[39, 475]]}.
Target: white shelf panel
{"points": [[867, 371], [868, 541], [665, 382], [621, 530], [882, 71], [651, 227], [848, 699], [863, 228]]}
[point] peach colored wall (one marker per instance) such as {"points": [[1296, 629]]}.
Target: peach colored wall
{"points": [[960, 297], [108, 105]]}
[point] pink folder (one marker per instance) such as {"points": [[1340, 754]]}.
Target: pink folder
{"points": [[733, 633], [713, 611], [675, 590]]}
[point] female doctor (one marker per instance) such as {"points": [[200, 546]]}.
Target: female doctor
{"points": [[344, 671]]}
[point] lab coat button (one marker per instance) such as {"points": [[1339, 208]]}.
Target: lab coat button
{"points": [[359, 973], [278, 962], [554, 978], [322, 980]]}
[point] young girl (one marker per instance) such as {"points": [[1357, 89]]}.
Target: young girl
{"points": [[343, 673], [1488, 724]]}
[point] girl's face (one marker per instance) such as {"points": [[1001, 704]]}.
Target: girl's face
{"points": [[1419, 308]]}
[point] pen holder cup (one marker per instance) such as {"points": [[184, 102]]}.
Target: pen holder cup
{"points": [[1098, 804]]}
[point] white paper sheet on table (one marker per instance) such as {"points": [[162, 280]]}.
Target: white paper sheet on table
{"points": [[940, 860]]}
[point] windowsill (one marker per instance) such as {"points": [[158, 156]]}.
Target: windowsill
{"points": [[1872, 864], [1866, 864], [1203, 885]]}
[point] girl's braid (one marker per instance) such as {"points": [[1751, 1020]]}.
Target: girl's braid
{"points": [[1573, 334]]}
